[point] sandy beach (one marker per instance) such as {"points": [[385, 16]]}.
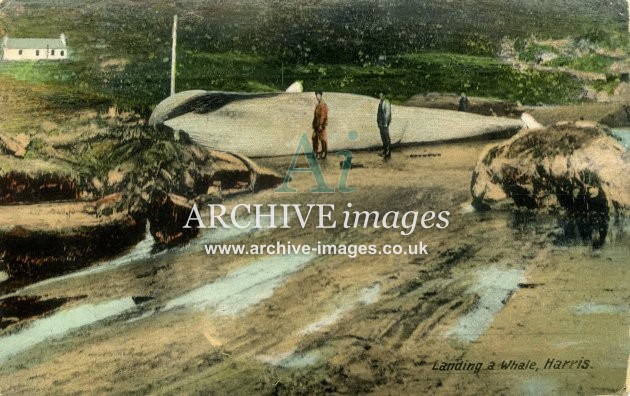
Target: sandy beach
{"points": [[494, 287]]}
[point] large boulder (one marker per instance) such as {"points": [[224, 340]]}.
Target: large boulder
{"points": [[575, 167]]}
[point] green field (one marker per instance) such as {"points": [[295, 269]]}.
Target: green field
{"points": [[121, 49], [589, 62], [141, 85]]}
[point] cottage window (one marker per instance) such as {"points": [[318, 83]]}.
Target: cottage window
{"points": [[52, 52], [61, 53], [36, 52], [19, 52]]}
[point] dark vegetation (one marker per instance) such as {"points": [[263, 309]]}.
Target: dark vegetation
{"points": [[121, 49]]}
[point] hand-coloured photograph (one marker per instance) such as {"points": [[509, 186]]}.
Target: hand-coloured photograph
{"points": [[244, 197]]}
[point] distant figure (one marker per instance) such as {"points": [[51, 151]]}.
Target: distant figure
{"points": [[320, 120], [463, 103], [383, 119]]}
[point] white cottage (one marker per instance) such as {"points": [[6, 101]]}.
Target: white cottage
{"points": [[29, 49]]}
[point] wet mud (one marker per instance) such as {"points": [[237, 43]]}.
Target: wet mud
{"points": [[495, 285]]}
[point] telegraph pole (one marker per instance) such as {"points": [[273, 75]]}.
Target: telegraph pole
{"points": [[174, 55]]}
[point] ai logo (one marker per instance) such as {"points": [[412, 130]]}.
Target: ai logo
{"points": [[304, 146]]}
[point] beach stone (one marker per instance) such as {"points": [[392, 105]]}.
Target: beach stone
{"points": [[576, 167], [295, 87], [530, 122]]}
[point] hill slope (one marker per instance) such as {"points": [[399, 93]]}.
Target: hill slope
{"points": [[123, 46], [329, 28]]}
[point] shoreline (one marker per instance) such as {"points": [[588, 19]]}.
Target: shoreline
{"points": [[417, 301]]}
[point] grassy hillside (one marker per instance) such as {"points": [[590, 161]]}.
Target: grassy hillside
{"points": [[121, 48]]}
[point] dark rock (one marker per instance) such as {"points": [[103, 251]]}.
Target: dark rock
{"points": [[16, 309], [141, 299], [39, 253], [16, 186], [353, 165], [167, 218]]}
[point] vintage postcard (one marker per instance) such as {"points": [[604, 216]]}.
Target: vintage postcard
{"points": [[315, 196]]}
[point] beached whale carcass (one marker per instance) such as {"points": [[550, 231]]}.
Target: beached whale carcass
{"points": [[272, 124]]}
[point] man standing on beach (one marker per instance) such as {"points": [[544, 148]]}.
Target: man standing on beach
{"points": [[383, 119], [463, 102], [320, 120]]}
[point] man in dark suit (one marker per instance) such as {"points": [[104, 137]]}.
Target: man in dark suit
{"points": [[383, 119], [463, 103]]}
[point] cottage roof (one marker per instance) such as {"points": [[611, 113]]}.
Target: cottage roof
{"points": [[35, 43]]}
